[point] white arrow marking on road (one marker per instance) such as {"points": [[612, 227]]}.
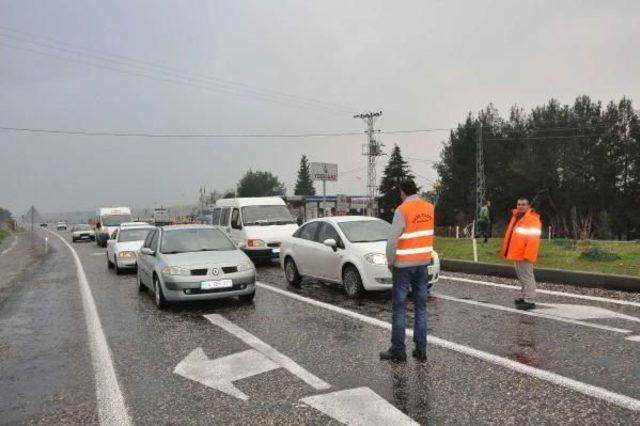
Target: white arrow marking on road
{"points": [[275, 356], [360, 406], [580, 312], [220, 373]]}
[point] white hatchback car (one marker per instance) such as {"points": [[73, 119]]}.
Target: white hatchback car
{"points": [[123, 246], [349, 250]]}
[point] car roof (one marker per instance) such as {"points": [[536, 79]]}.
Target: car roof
{"points": [[342, 219], [250, 201], [128, 224], [140, 226], [187, 226]]}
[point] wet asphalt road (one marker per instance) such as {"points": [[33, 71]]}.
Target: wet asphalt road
{"points": [[47, 374]]}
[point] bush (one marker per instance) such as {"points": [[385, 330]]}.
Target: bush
{"points": [[599, 254]]}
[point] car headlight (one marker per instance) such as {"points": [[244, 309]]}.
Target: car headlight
{"points": [[376, 258], [256, 243], [175, 270], [245, 266], [126, 254]]}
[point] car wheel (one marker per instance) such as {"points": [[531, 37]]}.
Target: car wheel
{"points": [[141, 286], [109, 264], [291, 273], [73, 240], [115, 265], [161, 302], [352, 282], [247, 298]]}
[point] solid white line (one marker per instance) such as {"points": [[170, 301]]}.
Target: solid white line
{"points": [[584, 388], [111, 406], [530, 313], [634, 338], [13, 243], [542, 291], [271, 353]]}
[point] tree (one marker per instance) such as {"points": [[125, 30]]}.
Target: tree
{"points": [[4, 214], [395, 172], [260, 184], [304, 184]]}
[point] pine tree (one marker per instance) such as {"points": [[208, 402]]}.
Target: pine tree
{"points": [[396, 171], [304, 184]]}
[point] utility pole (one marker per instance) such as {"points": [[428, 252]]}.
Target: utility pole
{"points": [[372, 150], [480, 181]]}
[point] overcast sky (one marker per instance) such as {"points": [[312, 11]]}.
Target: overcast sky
{"points": [[274, 67]]}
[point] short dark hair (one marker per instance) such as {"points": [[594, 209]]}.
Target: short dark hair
{"points": [[524, 199], [408, 186]]}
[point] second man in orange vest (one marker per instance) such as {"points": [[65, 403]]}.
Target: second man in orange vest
{"points": [[409, 251]]}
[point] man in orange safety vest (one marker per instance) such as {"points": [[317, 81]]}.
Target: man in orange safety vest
{"points": [[409, 251], [521, 243]]}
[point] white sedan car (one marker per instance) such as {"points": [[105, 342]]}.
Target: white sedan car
{"points": [[123, 246], [349, 250]]}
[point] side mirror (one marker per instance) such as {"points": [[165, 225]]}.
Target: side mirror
{"points": [[147, 251], [330, 242]]}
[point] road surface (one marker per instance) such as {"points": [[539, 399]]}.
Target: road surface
{"points": [[79, 344]]}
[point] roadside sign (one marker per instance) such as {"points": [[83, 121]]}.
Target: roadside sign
{"points": [[324, 171]]}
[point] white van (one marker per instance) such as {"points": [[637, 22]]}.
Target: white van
{"points": [[107, 220], [258, 225]]}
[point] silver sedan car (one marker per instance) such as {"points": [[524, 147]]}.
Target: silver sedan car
{"points": [[194, 262]]}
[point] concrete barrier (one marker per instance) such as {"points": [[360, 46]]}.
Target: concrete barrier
{"points": [[558, 276]]}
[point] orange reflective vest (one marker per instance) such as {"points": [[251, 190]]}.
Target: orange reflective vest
{"points": [[416, 242], [522, 239]]}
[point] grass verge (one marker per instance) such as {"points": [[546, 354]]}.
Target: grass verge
{"points": [[612, 257]]}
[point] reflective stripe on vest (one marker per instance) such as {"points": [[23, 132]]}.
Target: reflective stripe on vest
{"points": [[414, 251], [527, 231], [416, 234]]}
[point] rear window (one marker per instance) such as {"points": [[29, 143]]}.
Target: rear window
{"points": [[127, 235]]}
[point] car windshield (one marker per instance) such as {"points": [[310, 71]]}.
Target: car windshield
{"points": [[82, 228], [127, 235], [266, 215], [365, 231], [191, 240], [115, 220]]}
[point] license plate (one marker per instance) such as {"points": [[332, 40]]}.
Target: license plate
{"points": [[209, 285], [276, 250], [430, 269]]}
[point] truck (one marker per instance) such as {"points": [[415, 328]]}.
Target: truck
{"points": [[108, 219], [161, 217]]}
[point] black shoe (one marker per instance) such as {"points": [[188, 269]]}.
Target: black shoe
{"points": [[525, 306], [419, 355], [389, 355], [518, 301]]}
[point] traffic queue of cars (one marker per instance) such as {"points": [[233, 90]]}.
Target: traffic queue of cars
{"points": [[202, 262]]}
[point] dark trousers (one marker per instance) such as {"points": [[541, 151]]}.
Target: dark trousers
{"points": [[414, 278]]}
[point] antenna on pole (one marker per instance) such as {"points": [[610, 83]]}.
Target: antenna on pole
{"points": [[372, 150]]}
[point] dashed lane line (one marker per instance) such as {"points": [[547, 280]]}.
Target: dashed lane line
{"points": [[543, 291], [557, 379], [111, 405]]}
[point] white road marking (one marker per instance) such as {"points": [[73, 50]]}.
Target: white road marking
{"points": [[220, 373], [542, 291], [360, 406], [111, 406], [271, 353], [579, 312], [535, 313], [98, 254], [557, 379], [634, 338], [13, 243]]}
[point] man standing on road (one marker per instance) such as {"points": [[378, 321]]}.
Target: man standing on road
{"points": [[484, 221], [521, 243], [409, 251]]}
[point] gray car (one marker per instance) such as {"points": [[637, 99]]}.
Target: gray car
{"points": [[194, 262]]}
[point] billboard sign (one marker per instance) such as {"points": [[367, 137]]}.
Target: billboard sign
{"points": [[324, 171]]}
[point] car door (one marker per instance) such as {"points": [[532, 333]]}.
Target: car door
{"points": [[304, 246], [111, 243], [145, 261], [225, 214], [327, 259]]}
